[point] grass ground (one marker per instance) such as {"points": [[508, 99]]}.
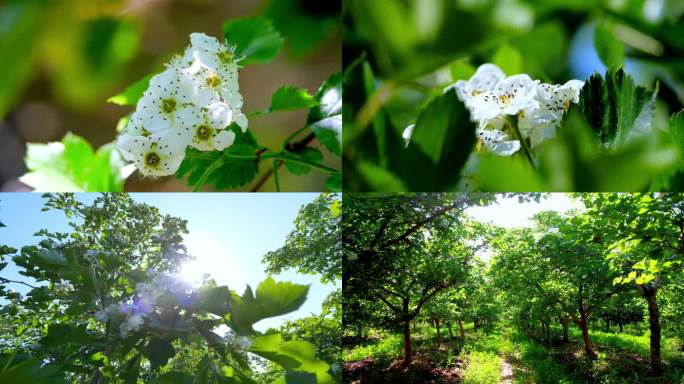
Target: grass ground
{"points": [[504, 355]]}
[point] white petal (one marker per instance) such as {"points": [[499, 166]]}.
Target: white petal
{"points": [[407, 133], [241, 120], [505, 148], [204, 42], [486, 77], [223, 139], [220, 115]]}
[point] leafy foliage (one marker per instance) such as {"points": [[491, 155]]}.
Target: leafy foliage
{"points": [[108, 316], [72, 165], [255, 39], [399, 57], [314, 246]]}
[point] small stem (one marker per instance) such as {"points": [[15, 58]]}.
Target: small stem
{"points": [[513, 122], [4, 281], [284, 156], [276, 164], [286, 142], [207, 172], [200, 155]]}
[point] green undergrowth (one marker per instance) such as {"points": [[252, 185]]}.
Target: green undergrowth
{"points": [[386, 348], [483, 368]]}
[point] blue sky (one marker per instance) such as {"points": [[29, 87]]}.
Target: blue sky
{"points": [[229, 234]]}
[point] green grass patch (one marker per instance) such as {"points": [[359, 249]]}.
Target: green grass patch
{"points": [[538, 364], [387, 348], [483, 368]]}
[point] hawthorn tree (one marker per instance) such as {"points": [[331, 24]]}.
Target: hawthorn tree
{"points": [[402, 250], [108, 309], [647, 234]]}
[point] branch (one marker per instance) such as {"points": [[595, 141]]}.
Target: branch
{"points": [[392, 307], [5, 281], [441, 211], [426, 298], [392, 293], [294, 147]]}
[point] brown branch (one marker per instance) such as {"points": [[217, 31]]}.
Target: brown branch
{"points": [[425, 221], [5, 281], [292, 147]]}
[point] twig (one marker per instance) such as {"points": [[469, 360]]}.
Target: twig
{"points": [[5, 281], [294, 147]]}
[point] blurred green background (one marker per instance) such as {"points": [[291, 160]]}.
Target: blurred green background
{"points": [[416, 47], [61, 59]]}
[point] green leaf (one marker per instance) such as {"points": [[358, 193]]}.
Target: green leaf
{"points": [[132, 93], [575, 158], [72, 166], [304, 29], [309, 154], [22, 26], [616, 109], [507, 173], [159, 351], [174, 378], [215, 300], [100, 359], [254, 38], [325, 118], [445, 134], [132, 372], [294, 356], [333, 183], [239, 163], [290, 98], [673, 178], [61, 334], [296, 378], [21, 369], [53, 257], [379, 179], [272, 299], [508, 59], [611, 51]]}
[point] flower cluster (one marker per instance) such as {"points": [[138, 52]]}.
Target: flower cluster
{"points": [[490, 96], [191, 103], [145, 301], [493, 99]]}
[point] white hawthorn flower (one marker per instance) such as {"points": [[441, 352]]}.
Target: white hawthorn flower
{"points": [[131, 324], [540, 122], [191, 103], [207, 52], [158, 154], [102, 315], [508, 97], [209, 133], [486, 77], [491, 135]]}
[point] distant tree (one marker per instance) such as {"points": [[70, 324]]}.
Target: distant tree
{"points": [[315, 244]]}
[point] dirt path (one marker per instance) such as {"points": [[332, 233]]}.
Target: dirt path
{"points": [[506, 370]]}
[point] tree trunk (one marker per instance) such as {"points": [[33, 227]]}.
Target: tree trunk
{"points": [[654, 325], [415, 324], [475, 325], [565, 332], [439, 334], [588, 348], [620, 324], [460, 327], [451, 333], [607, 325], [407, 341]]}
